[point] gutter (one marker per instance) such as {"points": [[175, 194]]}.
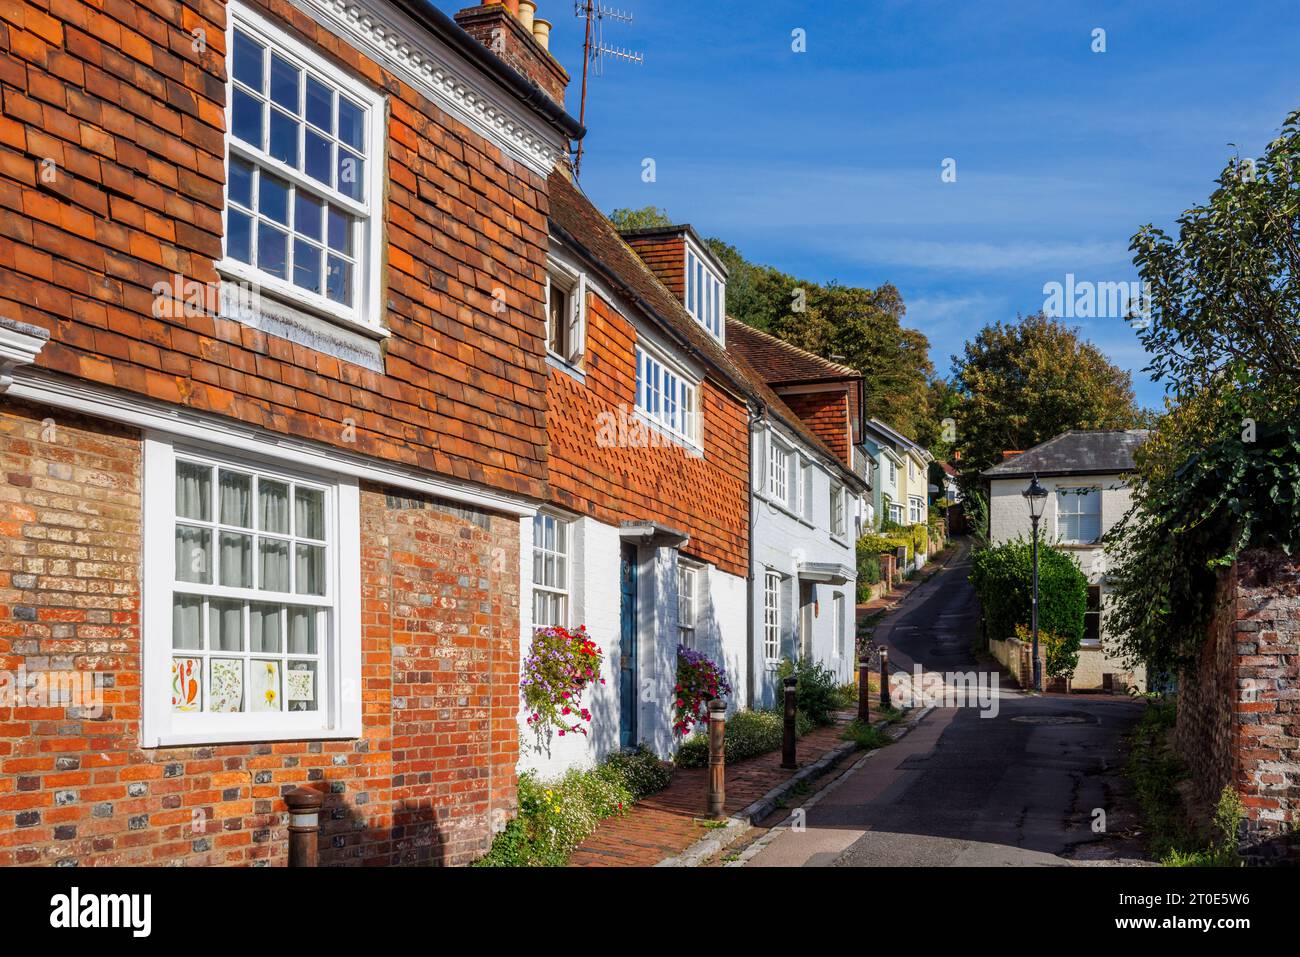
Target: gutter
{"points": [[445, 28]]}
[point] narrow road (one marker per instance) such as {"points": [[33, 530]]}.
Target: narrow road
{"points": [[1013, 779]]}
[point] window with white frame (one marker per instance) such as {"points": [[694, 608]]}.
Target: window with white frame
{"points": [[705, 294], [251, 584], [304, 152], [893, 473], [837, 625], [666, 397], [566, 311], [778, 470], [772, 616], [1078, 515], [916, 509], [837, 510], [805, 490], [688, 583], [552, 540]]}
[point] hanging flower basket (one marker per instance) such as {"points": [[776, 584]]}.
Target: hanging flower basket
{"points": [[699, 681], [561, 665]]}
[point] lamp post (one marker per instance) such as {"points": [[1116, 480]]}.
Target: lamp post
{"points": [[1036, 496]]}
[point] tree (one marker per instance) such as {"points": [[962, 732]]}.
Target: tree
{"points": [[1022, 383], [756, 295], [1226, 292], [646, 217]]}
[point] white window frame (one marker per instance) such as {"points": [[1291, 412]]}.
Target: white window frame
{"points": [[366, 316], [1071, 493], [689, 576], [562, 596], [837, 611], [777, 483], [656, 376], [838, 523], [574, 285], [893, 472], [338, 675], [772, 584], [705, 293]]}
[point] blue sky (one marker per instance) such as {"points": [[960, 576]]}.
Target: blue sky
{"points": [[827, 163]]}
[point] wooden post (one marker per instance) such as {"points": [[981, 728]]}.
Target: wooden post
{"points": [[304, 825], [787, 740], [717, 759]]}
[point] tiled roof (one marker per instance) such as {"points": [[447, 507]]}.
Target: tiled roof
{"points": [[1077, 452], [779, 362], [587, 227]]}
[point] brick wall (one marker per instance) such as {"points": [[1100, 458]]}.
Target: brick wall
{"points": [[827, 416], [431, 773], [1239, 712], [706, 496], [111, 180]]}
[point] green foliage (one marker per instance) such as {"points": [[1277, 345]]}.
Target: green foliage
{"points": [[869, 572], [1003, 578], [846, 695], [1155, 772], [867, 736], [887, 542], [556, 816], [748, 734], [815, 692], [1062, 653], [644, 218], [1186, 525], [975, 505], [1024, 382], [1226, 292]]}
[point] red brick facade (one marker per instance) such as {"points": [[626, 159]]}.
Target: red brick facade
{"points": [[706, 495], [111, 180], [1239, 713], [431, 774]]}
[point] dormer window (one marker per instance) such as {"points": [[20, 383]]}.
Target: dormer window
{"points": [[706, 294]]}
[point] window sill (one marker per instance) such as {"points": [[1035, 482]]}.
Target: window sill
{"points": [[280, 314], [696, 451], [778, 505], [214, 738], [568, 368]]}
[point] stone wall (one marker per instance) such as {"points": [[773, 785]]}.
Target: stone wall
{"points": [[1239, 710]]}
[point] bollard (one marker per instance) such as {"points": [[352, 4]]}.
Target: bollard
{"points": [[884, 679], [717, 759], [787, 739], [864, 690], [304, 825]]}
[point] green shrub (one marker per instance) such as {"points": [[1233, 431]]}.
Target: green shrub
{"points": [[556, 816], [868, 572], [639, 770], [816, 691], [1062, 652], [886, 542], [1003, 578], [846, 695], [867, 736], [748, 734]]}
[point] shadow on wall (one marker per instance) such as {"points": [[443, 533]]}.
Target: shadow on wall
{"points": [[418, 836]]}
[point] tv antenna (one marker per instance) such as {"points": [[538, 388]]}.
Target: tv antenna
{"points": [[595, 50]]}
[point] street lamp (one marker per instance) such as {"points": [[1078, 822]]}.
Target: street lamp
{"points": [[1036, 496]]}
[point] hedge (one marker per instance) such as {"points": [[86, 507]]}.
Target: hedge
{"points": [[1003, 579]]}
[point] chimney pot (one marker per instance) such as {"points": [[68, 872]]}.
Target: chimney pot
{"points": [[527, 10], [542, 32]]}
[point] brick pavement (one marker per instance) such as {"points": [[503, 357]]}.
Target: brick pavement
{"points": [[667, 823]]}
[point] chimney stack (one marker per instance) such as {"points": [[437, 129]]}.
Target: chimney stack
{"points": [[517, 36]]}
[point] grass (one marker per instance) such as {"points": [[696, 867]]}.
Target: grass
{"points": [[1156, 773], [865, 735]]}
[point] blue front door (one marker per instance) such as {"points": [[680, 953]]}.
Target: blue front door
{"points": [[627, 694]]}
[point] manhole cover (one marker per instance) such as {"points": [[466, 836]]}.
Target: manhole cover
{"points": [[1050, 719]]}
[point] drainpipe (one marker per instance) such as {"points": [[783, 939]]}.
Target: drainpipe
{"points": [[757, 414]]}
